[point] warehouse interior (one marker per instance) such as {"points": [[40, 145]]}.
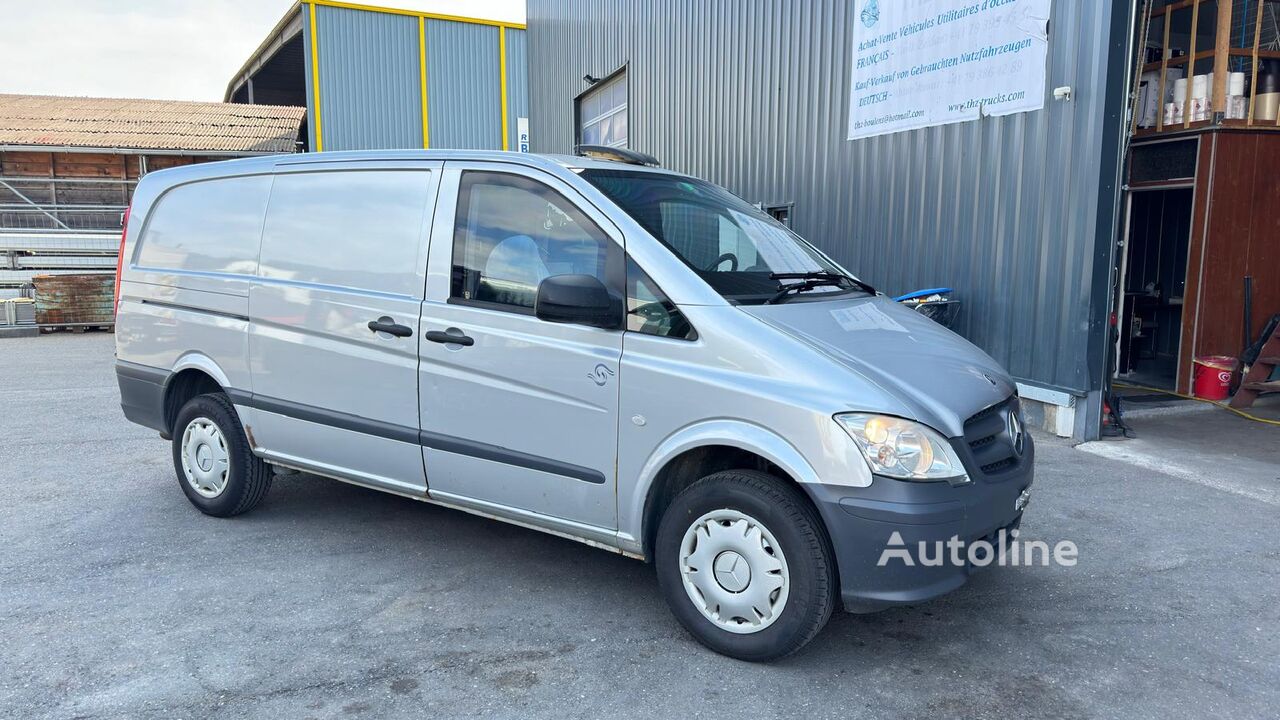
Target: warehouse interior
{"points": [[276, 72], [1197, 286], [280, 80], [1155, 280]]}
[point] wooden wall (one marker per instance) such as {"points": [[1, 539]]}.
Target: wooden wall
{"points": [[1235, 232], [80, 165]]}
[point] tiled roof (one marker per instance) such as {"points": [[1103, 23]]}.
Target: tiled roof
{"points": [[57, 121]]}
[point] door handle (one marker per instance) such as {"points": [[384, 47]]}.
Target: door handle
{"points": [[385, 324], [452, 336]]}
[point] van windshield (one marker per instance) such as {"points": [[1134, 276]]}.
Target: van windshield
{"points": [[745, 255]]}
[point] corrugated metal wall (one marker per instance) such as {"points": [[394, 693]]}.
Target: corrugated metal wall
{"points": [[370, 92], [517, 83], [754, 95], [370, 69], [463, 86]]}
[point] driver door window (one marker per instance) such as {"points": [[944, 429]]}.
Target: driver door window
{"points": [[512, 233]]}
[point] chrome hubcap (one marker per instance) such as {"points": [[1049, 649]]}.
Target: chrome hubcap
{"points": [[734, 571], [205, 460]]}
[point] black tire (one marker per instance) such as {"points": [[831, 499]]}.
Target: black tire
{"points": [[248, 477], [791, 519]]}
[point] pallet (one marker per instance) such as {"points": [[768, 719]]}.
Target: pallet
{"points": [[78, 327]]}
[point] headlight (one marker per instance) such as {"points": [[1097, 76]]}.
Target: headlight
{"points": [[903, 449]]}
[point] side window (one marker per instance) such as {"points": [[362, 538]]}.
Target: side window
{"points": [[513, 232], [350, 228], [649, 311], [207, 226]]}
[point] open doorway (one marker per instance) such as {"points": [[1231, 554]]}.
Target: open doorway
{"points": [[1155, 279]]}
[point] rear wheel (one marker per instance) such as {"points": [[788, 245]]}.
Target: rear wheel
{"points": [[217, 470], [744, 563]]}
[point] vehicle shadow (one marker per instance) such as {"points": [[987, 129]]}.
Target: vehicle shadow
{"points": [[425, 539]]}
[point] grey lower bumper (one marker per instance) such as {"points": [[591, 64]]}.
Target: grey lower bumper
{"points": [[862, 521], [142, 394]]}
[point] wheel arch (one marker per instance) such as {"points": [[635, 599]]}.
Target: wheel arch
{"points": [[701, 449], [194, 374]]}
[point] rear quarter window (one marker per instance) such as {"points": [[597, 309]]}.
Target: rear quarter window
{"points": [[207, 226]]}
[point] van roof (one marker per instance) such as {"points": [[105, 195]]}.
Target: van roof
{"points": [[573, 162], [548, 162]]}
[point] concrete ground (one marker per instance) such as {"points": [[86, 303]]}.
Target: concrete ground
{"points": [[118, 599], [1205, 444]]}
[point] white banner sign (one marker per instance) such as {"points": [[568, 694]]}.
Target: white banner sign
{"points": [[918, 63]]}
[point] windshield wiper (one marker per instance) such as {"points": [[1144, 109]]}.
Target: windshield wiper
{"points": [[804, 285], [813, 279], [809, 275]]}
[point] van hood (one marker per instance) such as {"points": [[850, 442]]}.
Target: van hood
{"points": [[942, 377]]}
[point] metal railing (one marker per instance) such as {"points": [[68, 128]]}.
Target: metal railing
{"points": [[58, 226], [63, 204]]}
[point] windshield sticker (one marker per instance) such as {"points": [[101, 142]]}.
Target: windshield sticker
{"points": [[865, 317]]}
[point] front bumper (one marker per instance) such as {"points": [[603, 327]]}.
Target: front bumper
{"points": [[861, 522]]}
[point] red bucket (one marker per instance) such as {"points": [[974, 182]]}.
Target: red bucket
{"points": [[1212, 378]]}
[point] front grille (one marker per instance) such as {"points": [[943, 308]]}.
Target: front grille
{"points": [[986, 434], [997, 466], [974, 445]]}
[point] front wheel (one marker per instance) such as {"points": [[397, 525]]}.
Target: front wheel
{"points": [[744, 563], [216, 469]]}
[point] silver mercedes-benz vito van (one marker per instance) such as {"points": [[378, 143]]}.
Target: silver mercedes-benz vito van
{"points": [[589, 346]]}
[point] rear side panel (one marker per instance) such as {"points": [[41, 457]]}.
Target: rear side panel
{"points": [[189, 256]]}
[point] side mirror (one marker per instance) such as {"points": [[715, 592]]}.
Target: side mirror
{"points": [[579, 299]]}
